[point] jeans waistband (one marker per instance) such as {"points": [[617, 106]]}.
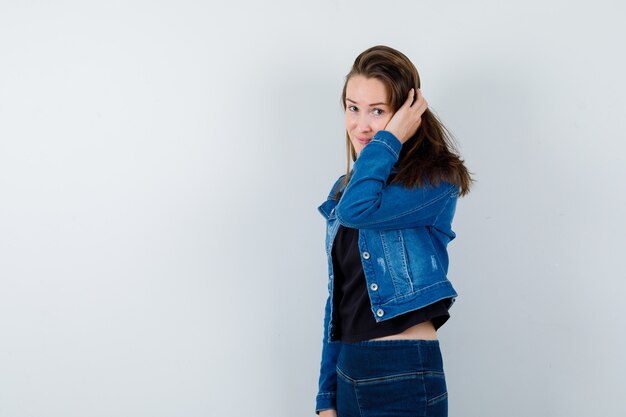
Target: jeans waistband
{"points": [[375, 358]]}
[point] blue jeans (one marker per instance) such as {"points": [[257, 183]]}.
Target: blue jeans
{"points": [[384, 378]]}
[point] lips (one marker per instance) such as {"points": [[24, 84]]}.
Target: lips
{"points": [[363, 141]]}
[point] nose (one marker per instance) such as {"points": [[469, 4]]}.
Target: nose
{"points": [[363, 123]]}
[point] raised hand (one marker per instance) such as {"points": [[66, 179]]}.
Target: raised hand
{"points": [[407, 119]]}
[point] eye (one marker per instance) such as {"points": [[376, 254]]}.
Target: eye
{"points": [[352, 108], [378, 112]]}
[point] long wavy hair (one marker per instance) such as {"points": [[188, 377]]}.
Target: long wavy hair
{"points": [[430, 155]]}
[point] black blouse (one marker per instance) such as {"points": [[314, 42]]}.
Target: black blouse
{"points": [[353, 314]]}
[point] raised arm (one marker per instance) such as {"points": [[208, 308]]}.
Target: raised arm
{"points": [[368, 203]]}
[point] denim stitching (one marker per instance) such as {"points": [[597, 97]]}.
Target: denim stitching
{"points": [[344, 376], [442, 210], [400, 297], [392, 377], [386, 253], [413, 210], [421, 359], [358, 400], [404, 262], [352, 383], [436, 399], [388, 147]]}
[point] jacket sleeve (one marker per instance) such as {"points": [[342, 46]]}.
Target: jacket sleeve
{"points": [[368, 203], [327, 385]]}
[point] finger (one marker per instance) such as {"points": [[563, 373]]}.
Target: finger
{"points": [[422, 106], [424, 100], [417, 105], [412, 97], [409, 99], [419, 98], [420, 95]]}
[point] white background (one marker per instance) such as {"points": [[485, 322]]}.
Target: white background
{"points": [[161, 164]]}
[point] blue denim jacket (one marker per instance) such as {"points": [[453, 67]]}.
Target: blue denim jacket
{"points": [[403, 237]]}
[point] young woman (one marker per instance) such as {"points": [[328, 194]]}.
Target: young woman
{"points": [[388, 223]]}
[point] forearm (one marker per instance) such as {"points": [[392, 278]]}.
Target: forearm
{"points": [[327, 385]]}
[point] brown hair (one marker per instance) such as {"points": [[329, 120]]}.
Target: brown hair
{"points": [[429, 155]]}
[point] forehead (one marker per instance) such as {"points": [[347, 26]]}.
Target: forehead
{"points": [[365, 90]]}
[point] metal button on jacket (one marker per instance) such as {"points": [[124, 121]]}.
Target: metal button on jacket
{"points": [[374, 286], [380, 312], [366, 255]]}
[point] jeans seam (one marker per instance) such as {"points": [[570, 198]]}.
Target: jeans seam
{"points": [[353, 386], [436, 399], [400, 376], [358, 400], [419, 352], [344, 376]]}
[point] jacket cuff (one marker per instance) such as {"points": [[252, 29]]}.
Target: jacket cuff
{"points": [[325, 401], [390, 140]]}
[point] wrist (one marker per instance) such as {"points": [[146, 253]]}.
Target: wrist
{"points": [[390, 139]]}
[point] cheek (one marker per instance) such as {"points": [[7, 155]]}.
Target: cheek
{"points": [[383, 122], [350, 119]]}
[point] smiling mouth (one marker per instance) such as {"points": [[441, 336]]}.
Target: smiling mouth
{"points": [[363, 141]]}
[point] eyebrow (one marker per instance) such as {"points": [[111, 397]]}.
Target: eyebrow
{"points": [[373, 104]]}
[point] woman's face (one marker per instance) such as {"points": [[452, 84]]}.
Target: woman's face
{"points": [[367, 110]]}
